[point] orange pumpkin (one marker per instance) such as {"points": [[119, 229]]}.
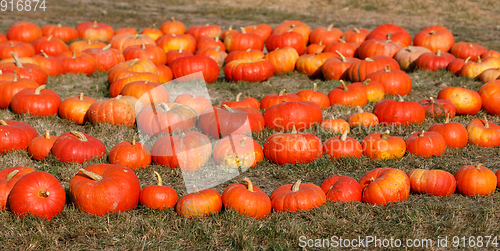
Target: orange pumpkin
{"points": [[115, 111], [362, 118], [297, 197], [465, 101], [426, 144], [319, 98], [475, 180], [247, 199], [383, 146], [238, 152], [134, 155], [337, 126], [341, 188], [483, 133], [39, 147], [342, 147], [158, 197], [75, 108], [199, 203], [433, 182], [385, 185]]}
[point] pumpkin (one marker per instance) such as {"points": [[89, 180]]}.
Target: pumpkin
{"points": [[210, 42], [39, 147], [297, 197], [384, 185], [9, 89], [456, 65], [319, 98], [335, 68], [315, 48], [65, 33], [359, 70], [207, 30], [159, 117], [25, 70], [105, 58], [347, 49], [465, 101], [337, 126], [475, 180], [152, 32], [372, 47], [52, 46], [498, 178], [146, 92], [483, 133], [383, 146], [287, 39], [342, 147], [241, 41], [164, 74], [296, 26], [247, 200], [394, 81], [229, 30], [489, 75], [82, 45], [434, 61], [199, 203], [192, 64], [115, 111], [426, 144], [20, 49], [3, 38], [489, 97], [158, 197], [77, 147], [455, 135], [123, 41], [36, 101], [173, 27], [134, 155], [362, 118], [474, 69], [105, 188], [392, 112], [355, 35], [8, 178], [301, 115], [433, 182], [341, 188], [249, 102], [51, 65], [464, 50], [24, 32], [15, 135], [78, 62], [188, 151], [263, 30], [375, 92], [248, 54], [407, 56], [293, 148], [95, 31], [173, 42], [39, 194], [146, 51], [348, 95], [75, 108], [251, 70], [238, 152], [197, 103], [310, 64], [435, 38], [325, 34], [392, 32], [218, 122], [282, 59], [491, 53], [117, 87], [277, 98], [438, 108], [216, 54]]}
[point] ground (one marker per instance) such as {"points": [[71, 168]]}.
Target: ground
{"points": [[421, 216]]}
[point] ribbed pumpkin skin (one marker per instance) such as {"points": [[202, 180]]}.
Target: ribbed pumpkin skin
{"points": [[69, 148], [200, 31], [435, 38], [465, 101], [10, 88], [359, 70], [95, 31], [65, 33], [283, 148], [490, 93], [465, 49], [238, 151], [389, 185], [455, 135], [277, 98], [249, 102], [198, 104], [105, 59], [283, 59], [129, 67], [286, 115], [310, 64], [394, 112], [39, 148], [7, 184], [377, 147], [319, 98], [24, 32], [115, 111], [191, 64], [336, 148], [438, 108], [407, 56], [134, 155], [147, 93], [199, 204], [307, 197], [78, 62], [483, 134], [158, 197], [238, 41], [341, 188], [336, 68], [255, 203], [29, 70], [393, 32], [117, 87], [43, 104], [75, 109], [475, 180], [288, 39], [372, 47], [473, 69], [426, 144], [15, 135], [218, 122], [434, 182], [251, 70], [394, 81], [348, 95], [117, 191], [165, 118]]}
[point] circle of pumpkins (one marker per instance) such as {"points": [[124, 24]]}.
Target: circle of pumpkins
{"points": [[374, 61]]}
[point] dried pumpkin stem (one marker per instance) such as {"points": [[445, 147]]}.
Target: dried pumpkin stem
{"points": [[243, 141], [478, 166], [15, 77], [294, 130], [296, 186], [422, 133], [341, 56], [95, 24], [369, 59], [238, 96], [387, 68], [43, 194], [486, 124], [372, 179], [367, 81], [438, 53], [467, 60], [181, 48], [80, 136], [360, 110], [47, 134], [385, 134], [106, 47], [432, 100], [16, 59], [74, 54], [134, 61], [39, 89], [249, 184], [2, 122], [282, 92], [217, 48], [344, 135], [91, 175], [243, 30], [400, 98], [447, 118], [228, 108], [343, 85], [11, 175], [81, 96], [173, 19], [133, 142], [160, 182], [44, 54], [329, 27], [195, 189], [356, 30], [315, 86]]}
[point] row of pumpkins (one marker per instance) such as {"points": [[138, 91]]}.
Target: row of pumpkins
{"points": [[106, 188]]}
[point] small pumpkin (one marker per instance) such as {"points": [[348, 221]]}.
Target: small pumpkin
{"points": [[341, 188], [393, 32], [134, 155], [342, 147], [297, 197], [249, 102], [465, 49], [385, 185], [438, 108], [247, 199], [375, 92], [335, 68], [78, 62], [483, 133], [197, 103], [160, 117], [76, 108], [355, 35], [407, 56], [455, 135], [277, 98], [394, 81], [238, 152], [426, 144], [300, 115], [475, 180], [36, 101], [173, 26], [158, 197], [431, 61], [362, 118], [489, 97], [333, 125], [95, 31], [9, 88], [435, 38], [192, 64], [220, 122], [199, 203], [319, 98], [433, 182], [39, 147], [251, 70], [383, 146], [282, 59], [348, 95], [115, 111]]}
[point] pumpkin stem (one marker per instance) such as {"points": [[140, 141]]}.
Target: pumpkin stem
{"points": [[39, 89], [47, 134], [321, 42], [217, 48], [387, 68], [410, 49], [486, 124], [230, 27], [91, 175], [388, 41], [173, 19], [16, 59], [249, 184], [136, 36], [2, 122], [181, 48], [343, 85], [438, 53], [44, 54], [11, 175], [432, 32], [133, 142], [154, 27], [389, 36], [332, 117], [49, 38], [195, 189], [470, 45], [367, 81], [89, 42], [43, 194], [296, 186], [421, 134], [15, 77], [74, 54], [478, 166], [447, 118], [400, 98], [133, 62], [479, 60], [59, 25], [432, 100], [360, 110], [238, 96], [329, 27], [282, 92], [294, 130], [217, 39], [80, 136], [228, 108], [314, 86], [356, 30], [344, 135], [385, 134], [243, 30], [81, 96], [467, 59], [95, 24], [248, 50], [372, 179], [341, 56], [243, 141], [160, 182], [369, 59]]}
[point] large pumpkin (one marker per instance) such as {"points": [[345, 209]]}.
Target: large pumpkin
{"points": [[95, 31], [483, 133], [115, 111], [8, 178], [385, 185], [297, 197], [77, 147], [433, 61], [348, 95], [247, 199], [455, 135], [434, 182], [293, 148], [15, 135], [426, 144], [341, 188], [240, 41], [391, 32], [220, 122], [300, 115], [287, 39], [392, 112], [465, 101], [435, 38], [282, 59], [310, 64], [277, 98], [36, 101], [394, 81], [249, 102], [24, 32], [192, 64], [438, 108], [251, 70], [475, 180], [489, 93]]}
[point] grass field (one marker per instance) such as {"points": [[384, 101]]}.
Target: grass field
{"points": [[419, 217]]}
